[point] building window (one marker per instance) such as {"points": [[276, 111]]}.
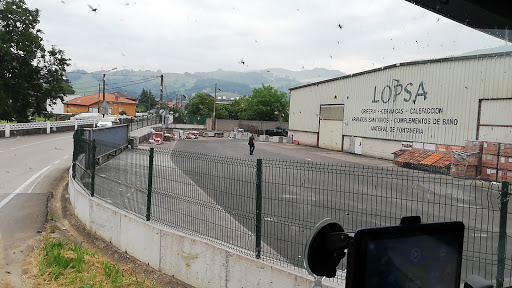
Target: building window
{"points": [[109, 111], [121, 109], [93, 109]]}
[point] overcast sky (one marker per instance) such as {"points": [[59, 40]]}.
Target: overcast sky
{"points": [[198, 36]]}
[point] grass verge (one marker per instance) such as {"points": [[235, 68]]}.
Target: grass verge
{"points": [[61, 263]]}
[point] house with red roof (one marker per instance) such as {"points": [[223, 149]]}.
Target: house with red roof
{"points": [[175, 104], [91, 103]]}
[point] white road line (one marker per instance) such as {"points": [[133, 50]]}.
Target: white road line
{"points": [[26, 145], [32, 188], [23, 186]]}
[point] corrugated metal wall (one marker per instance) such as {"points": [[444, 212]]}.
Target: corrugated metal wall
{"points": [[431, 102]]}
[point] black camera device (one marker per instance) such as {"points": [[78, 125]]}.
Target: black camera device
{"points": [[409, 255]]}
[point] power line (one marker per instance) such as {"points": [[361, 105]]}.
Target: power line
{"points": [[132, 81], [133, 84], [140, 82], [111, 75], [117, 83]]}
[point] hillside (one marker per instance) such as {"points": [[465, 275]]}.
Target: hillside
{"points": [[499, 49], [239, 83]]}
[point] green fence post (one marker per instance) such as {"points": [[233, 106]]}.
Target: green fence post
{"points": [[502, 241], [73, 167], [150, 184], [258, 207], [93, 166]]}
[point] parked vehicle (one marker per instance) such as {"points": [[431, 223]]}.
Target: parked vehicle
{"points": [[192, 135], [278, 131], [87, 116], [104, 123]]}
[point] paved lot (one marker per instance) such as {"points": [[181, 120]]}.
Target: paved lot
{"points": [[357, 191], [199, 190]]}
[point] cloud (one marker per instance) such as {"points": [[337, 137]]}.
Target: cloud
{"points": [[193, 36]]}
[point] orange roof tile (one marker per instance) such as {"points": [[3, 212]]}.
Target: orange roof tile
{"points": [[432, 158], [443, 162], [94, 98]]}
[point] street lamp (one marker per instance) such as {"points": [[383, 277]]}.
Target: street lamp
{"points": [[104, 103]]}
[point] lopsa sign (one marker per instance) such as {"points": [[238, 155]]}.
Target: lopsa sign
{"points": [[405, 111], [394, 92]]}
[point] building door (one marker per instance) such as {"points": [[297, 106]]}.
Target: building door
{"points": [[330, 135], [495, 120], [358, 145]]}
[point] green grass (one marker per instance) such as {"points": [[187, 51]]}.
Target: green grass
{"points": [[65, 264]]}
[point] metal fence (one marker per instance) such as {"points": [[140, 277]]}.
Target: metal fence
{"points": [[141, 122], [266, 208], [190, 119]]}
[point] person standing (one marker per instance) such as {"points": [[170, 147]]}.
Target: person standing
{"points": [[251, 144]]}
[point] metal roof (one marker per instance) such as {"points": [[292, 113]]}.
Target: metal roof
{"points": [[458, 58]]}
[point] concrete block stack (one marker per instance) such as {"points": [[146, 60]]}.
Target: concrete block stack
{"points": [[505, 163], [490, 161], [467, 163]]}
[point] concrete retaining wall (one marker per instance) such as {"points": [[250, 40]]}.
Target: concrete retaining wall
{"points": [[304, 138], [192, 260], [186, 126], [248, 125]]}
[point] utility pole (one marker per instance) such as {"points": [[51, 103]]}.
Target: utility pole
{"points": [[99, 93], [103, 109], [162, 96], [214, 101], [161, 90], [149, 102]]}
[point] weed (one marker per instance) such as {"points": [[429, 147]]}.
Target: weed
{"points": [[51, 229], [51, 217], [64, 264], [113, 273]]}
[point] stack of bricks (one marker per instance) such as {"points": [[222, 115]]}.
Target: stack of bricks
{"points": [[505, 163], [467, 163], [490, 161]]}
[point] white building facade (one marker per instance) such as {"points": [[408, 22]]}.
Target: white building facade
{"points": [[433, 105]]}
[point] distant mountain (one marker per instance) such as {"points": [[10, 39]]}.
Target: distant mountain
{"points": [[239, 83], [307, 76], [499, 49]]}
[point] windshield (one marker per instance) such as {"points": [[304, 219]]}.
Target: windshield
{"points": [[380, 79]]}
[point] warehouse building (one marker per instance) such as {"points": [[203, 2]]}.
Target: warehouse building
{"points": [[432, 105]]}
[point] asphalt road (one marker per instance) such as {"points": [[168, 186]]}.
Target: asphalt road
{"points": [[29, 166]]}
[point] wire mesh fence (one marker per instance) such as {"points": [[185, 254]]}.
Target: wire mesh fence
{"points": [[266, 208], [123, 181], [297, 195], [141, 122], [200, 194], [83, 161]]}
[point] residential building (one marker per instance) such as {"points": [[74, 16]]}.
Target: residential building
{"points": [[91, 103], [125, 96]]}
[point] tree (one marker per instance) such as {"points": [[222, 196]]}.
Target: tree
{"points": [[201, 105], [146, 101], [265, 104], [222, 111], [30, 75]]}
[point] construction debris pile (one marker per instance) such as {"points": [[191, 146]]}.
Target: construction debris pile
{"points": [[484, 160]]}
